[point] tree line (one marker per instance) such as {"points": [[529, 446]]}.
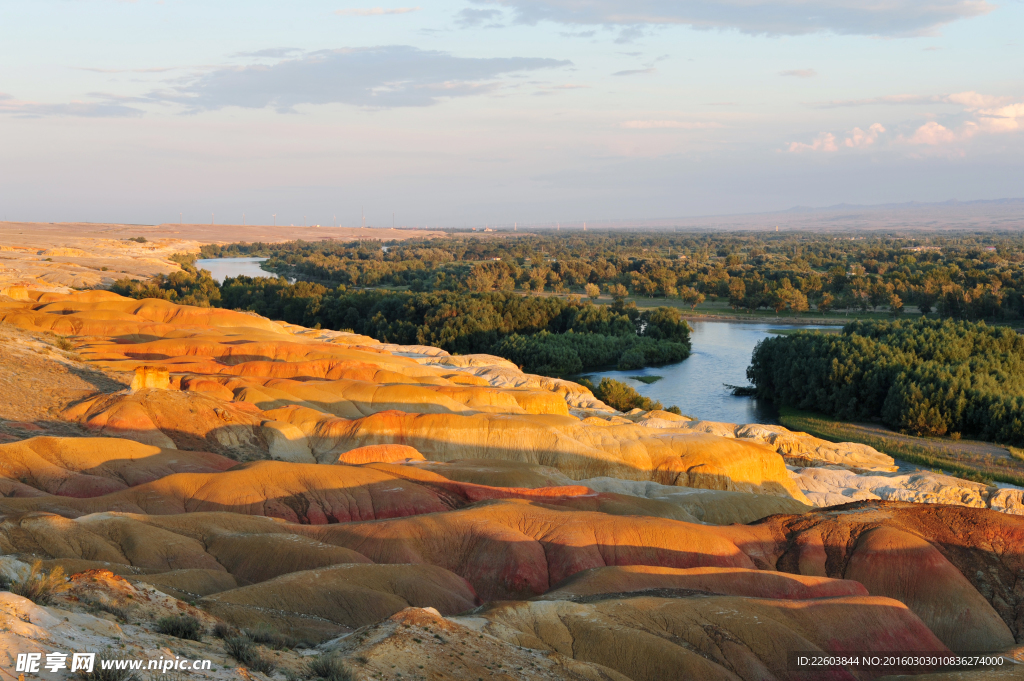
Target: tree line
{"points": [[926, 376], [960, 276]]}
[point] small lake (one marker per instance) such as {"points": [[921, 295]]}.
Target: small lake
{"points": [[221, 268], [721, 354]]}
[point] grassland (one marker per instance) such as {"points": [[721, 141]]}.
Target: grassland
{"points": [[978, 461]]}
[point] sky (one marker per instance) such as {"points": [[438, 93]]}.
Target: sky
{"points": [[473, 112]]}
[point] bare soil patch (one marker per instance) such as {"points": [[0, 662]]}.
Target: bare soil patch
{"points": [[38, 380]]}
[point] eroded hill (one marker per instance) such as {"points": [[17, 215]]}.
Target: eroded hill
{"points": [[402, 513]]}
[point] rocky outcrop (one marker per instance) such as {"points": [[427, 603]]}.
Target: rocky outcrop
{"points": [[155, 378], [832, 485]]}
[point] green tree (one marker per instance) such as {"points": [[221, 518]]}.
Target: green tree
{"points": [[691, 297]]}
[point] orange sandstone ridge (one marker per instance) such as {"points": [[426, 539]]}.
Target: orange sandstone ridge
{"points": [[410, 512]]}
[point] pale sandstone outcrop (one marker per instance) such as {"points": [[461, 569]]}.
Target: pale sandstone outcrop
{"points": [[801, 449], [627, 452], [1007, 500], [831, 486], [13, 570], [285, 442], [157, 378]]}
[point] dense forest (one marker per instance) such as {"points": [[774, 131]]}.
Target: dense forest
{"points": [[926, 377], [961, 276], [548, 335]]}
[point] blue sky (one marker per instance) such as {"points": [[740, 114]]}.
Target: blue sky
{"points": [[494, 111]]}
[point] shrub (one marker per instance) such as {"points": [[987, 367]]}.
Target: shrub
{"points": [[271, 637], [95, 605], [328, 668], [224, 630], [243, 649], [41, 586], [618, 395], [181, 626]]}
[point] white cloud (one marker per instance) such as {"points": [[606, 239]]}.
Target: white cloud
{"points": [[661, 125], [972, 100], [979, 113], [390, 76], [800, 73], [773, 17], [1003, 119], [825, 142], [375, 11], [983, 114], [859, 138], [934, 134]]}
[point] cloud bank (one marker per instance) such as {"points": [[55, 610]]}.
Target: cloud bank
{"points": [[759, 17], [391, 76]]}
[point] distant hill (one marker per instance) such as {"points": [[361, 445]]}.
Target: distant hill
{"points": [[953, 215]]}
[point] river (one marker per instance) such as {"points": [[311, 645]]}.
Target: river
{"points": [[221, 268], [721, 354]]}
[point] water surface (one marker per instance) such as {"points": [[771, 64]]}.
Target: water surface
{"points": [[221, 268], [721, 354]]}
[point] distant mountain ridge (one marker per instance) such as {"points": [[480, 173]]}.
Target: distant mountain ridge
{"points": [[904, 205]]}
